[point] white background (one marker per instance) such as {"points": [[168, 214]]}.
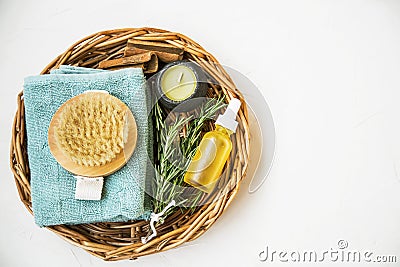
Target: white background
{"points": [[330, 71]]}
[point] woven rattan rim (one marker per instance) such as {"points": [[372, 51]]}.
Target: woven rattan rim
{"points": [[118, 241]]}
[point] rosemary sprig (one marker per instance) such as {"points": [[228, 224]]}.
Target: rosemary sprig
{"points": [[175, 148]]}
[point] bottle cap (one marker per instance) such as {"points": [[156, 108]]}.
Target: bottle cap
{"points": [[228, 119]]}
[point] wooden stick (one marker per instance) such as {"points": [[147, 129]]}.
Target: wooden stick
{"points": [[163, 56], [135, 59], [165, 52], [155, 46]]}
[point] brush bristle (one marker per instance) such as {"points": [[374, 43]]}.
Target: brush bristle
{"points": [[91, 130]]}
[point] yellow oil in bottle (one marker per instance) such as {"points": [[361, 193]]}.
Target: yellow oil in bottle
{"points": [[211, 155], [209, 159]]}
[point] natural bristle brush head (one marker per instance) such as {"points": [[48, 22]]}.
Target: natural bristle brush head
{"points": [[92, 130]]}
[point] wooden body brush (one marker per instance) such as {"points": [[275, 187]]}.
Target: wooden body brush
{"points": [[92, 135]]}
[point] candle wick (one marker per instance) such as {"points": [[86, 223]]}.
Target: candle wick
{"points": [[180, 77]]}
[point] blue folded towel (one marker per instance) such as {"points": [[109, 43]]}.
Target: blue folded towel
{"points": [[52, 187]]}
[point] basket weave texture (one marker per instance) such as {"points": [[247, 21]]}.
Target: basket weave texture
{"points": [[118, 241]]}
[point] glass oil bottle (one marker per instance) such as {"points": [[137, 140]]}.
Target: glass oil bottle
{"points": [[213, 151]]}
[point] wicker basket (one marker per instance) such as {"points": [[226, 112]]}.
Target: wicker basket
{"points": [[117, 241]]}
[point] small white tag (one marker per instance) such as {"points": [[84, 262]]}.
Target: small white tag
{"points": [[88, 188]]}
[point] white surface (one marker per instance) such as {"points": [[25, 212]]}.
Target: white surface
{"points": [[330, 73]]}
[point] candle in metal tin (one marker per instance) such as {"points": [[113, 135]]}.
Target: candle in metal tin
{"points": [[180, 81]]}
